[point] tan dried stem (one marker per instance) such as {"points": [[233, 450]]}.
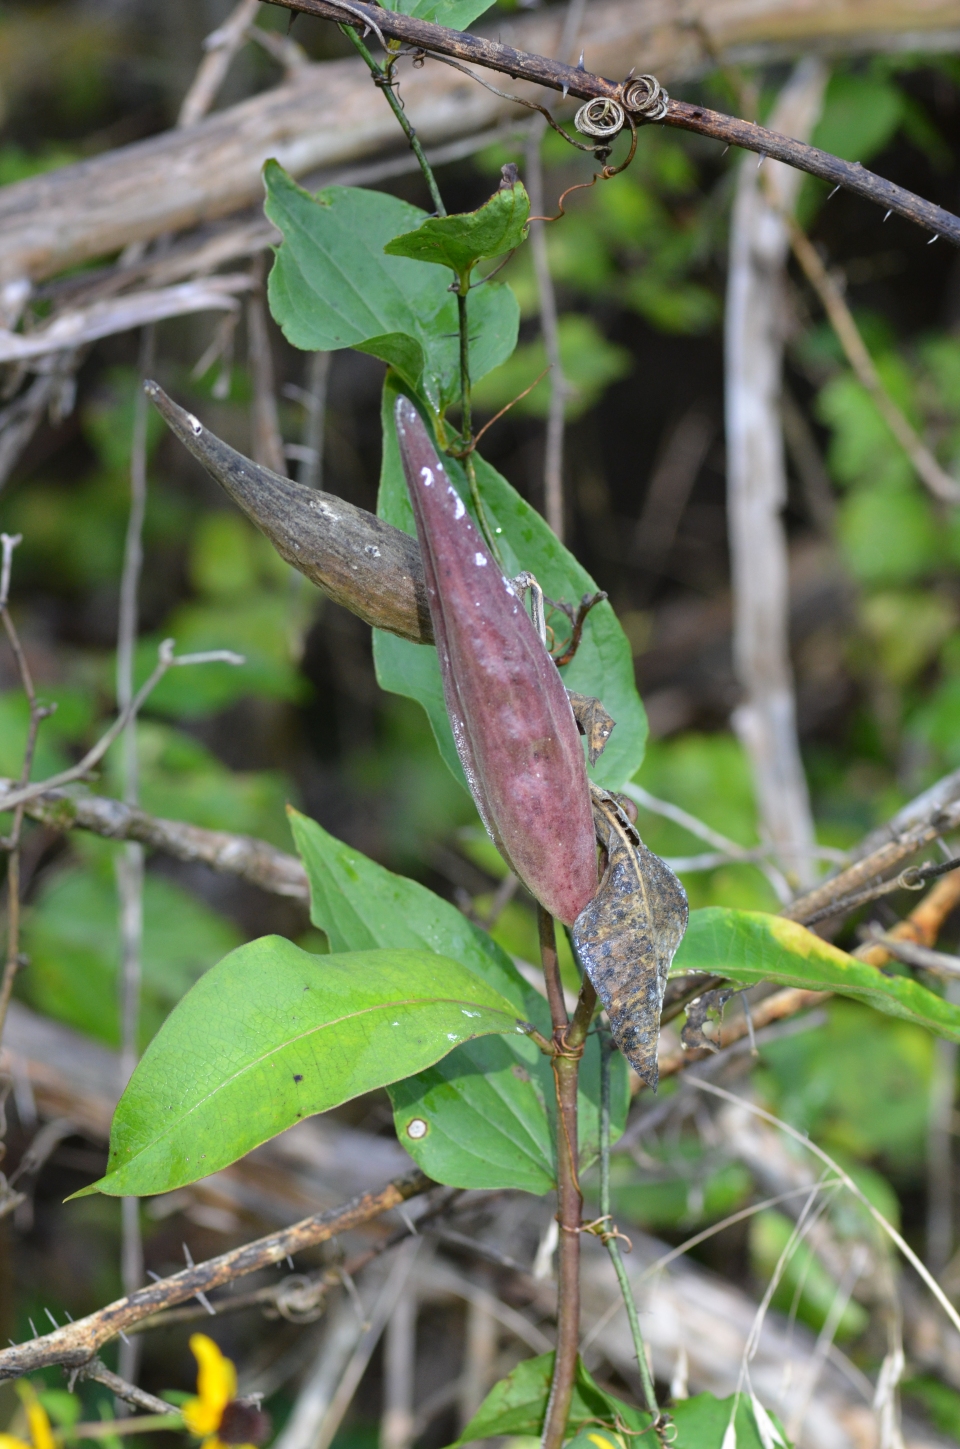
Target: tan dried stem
{"points": [[928, 470]]}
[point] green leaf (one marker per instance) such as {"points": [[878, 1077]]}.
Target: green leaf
{"points": [[485, 1110], [462, 240], [701, 1423], [603, 665], [456, 14], [518, 1403], [489, 1105], [751, 946], [362, 906], [332, 286], [273, 1034]]}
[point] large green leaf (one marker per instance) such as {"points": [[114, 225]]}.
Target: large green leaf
{"points": [[517, 1406], [462, 240], [485, 1112], [332, 286], [751, 946], [603, 665], [273, 1034], [488, 1107]]}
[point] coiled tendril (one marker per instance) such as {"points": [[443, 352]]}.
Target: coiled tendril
{"points": [[645, 97], [602, 118]]}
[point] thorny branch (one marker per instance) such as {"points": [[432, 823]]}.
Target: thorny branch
{"points": [[522, 65], [75, 1343]]}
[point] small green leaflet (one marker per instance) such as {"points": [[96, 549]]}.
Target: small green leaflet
{"points": [[456, 14], [603, 666], [489, 1105], [517, 1405], [273, 1034], [332, 286], [460, 241], [751, 946]]}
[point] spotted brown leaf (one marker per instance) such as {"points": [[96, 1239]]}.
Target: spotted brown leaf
{"points": [[627, 935]]}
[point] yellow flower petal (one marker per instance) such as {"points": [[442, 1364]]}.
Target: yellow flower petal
{"points": [[40, 1430], [10, 1441], [216, 1386]]}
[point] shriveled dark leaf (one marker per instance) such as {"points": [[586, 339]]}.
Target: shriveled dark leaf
{"points": [[593, 722], [627, 935], [703, 1009]]}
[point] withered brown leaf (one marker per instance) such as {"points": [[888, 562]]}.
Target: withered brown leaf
{"points": [[700, 1011], [593, 722], [628, 934]]}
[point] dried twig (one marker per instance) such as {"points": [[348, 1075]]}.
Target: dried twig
{"points": [[74, 1344], [72, 329], [559, 386], [121, 1389], [38, 713], [928, 470], [856, 882], [129, 862], [221, 46], [167, 660], [253, 860], [267, 438]]}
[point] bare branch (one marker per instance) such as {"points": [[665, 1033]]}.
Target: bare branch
{"points": [[95, 754], [220, 46], [253, 860], [75, 1343], [73, 329], [120, 1389]]}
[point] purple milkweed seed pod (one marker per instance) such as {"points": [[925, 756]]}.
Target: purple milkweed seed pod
{"points": [[511, 719]]}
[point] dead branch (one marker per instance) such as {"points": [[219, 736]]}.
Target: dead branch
{"points": [[923, 925], [327, 116], [253, 860], [76, 1342], [71, 329]]}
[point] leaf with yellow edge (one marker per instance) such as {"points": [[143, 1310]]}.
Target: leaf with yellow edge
{"points": [[751, 946]]}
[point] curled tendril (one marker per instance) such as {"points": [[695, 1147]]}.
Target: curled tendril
{"points": [[601, 118], [603, 175], [645, 97]]}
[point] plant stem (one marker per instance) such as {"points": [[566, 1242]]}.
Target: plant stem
{"points": [[384, 80], [607, 1049], [569, 1037], [466, 422]]}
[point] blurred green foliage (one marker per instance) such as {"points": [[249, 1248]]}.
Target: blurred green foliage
{"points": [[71, 935]]}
